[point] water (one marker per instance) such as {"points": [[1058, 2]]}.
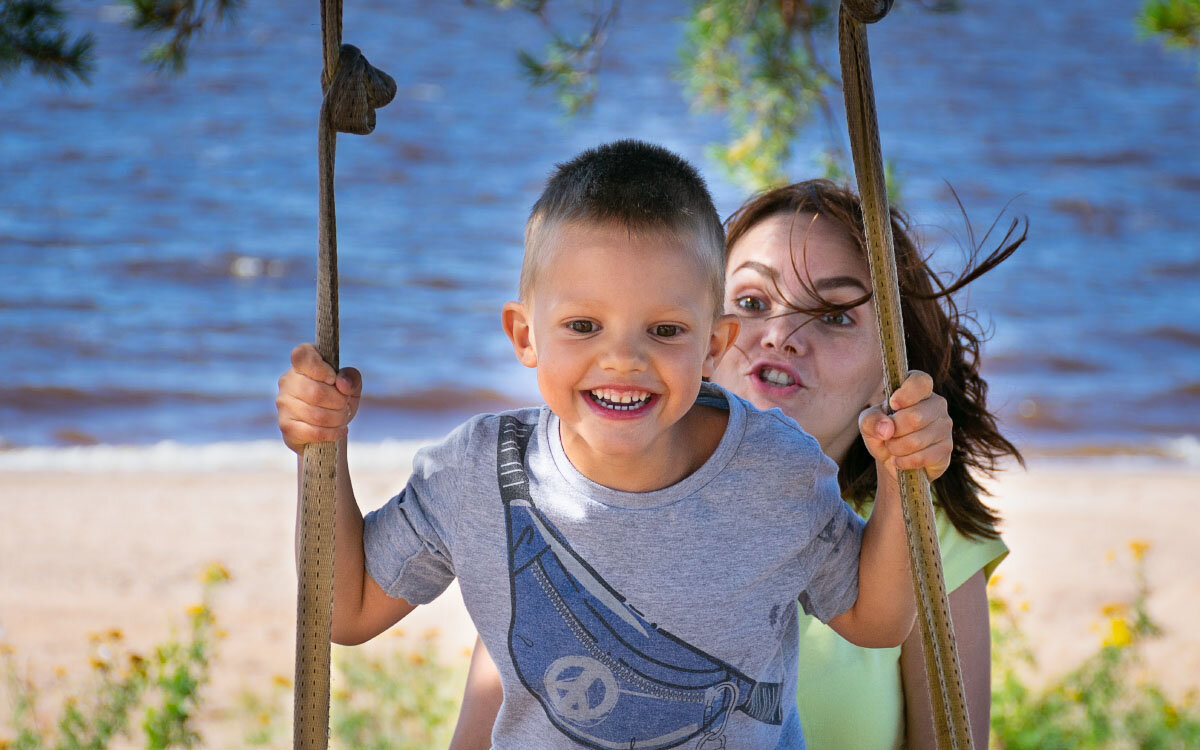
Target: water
{"points": [[157, 235]]}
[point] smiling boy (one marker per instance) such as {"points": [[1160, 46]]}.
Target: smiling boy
{"points": [[631, 552]]}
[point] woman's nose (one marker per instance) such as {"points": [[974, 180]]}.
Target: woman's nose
{"points": [[784, 333]]}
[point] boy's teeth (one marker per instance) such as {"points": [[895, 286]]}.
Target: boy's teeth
{"points": [[776, 377], [619, 400]]}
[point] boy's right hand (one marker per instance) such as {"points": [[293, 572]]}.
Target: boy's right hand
{"points": [[315, 404]]}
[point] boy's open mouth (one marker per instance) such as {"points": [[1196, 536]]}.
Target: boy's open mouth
{"points": [[614, 400]]}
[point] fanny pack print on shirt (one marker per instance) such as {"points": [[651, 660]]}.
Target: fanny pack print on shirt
{"points": [[605, 675]]}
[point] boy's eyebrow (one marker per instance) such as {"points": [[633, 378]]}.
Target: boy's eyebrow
{"points": [[826, 284]]}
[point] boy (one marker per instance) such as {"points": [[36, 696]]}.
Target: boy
{"points": [[631, 552]]}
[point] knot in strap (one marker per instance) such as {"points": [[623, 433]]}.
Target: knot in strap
{"points": [[356, 91], [867, 11]]}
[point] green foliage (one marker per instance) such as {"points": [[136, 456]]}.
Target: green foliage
{"points": [[1099, 704], [164, 688], [182, 20], [32, 33], [401, 701], [1176, 21]]}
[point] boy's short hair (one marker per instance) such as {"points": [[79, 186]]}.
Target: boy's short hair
{"points": [[644, 187]]}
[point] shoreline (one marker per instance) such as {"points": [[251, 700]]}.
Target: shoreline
{"points": [[88, 551]]}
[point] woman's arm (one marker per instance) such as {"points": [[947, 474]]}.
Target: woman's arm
{"points": [[481, 703], [972, 635]]}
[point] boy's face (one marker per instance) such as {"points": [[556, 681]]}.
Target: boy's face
{"points": [[621, 329]]}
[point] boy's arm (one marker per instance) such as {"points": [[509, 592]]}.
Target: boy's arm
{"points": [[315, 404], [918, 435], [885, 610], [361, 609]]}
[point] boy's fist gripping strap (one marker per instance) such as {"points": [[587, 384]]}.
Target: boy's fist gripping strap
{"points": [[353, 90], [947, 697]]}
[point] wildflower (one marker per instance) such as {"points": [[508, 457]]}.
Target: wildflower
{"points": [[264, 718], [215, 573], [1139, 548], [6, 649], [1114, 609], [432, 633], [196, 610], [60, 672], [995, 580], [1119, 634], [115, 634], [1025, 606], [1170, 715], [281, 681], [222, 634], [1111, 556], [416, 659]]}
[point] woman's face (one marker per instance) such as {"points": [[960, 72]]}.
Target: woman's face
{"points": [[820, 371]]}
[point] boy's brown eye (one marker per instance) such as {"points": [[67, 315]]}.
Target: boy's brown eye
{"points": [[666, 331], [581, 326]]}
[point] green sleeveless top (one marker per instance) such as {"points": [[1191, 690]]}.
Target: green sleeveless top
{"points": [[852, 697]]}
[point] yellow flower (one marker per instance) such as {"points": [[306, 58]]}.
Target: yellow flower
{"points": [[416, 659], [6, 649], [1114, 609], [1139, 547], [215, 573], [1170, 715], [281, 681], [196, 610], [1111, 556], [115, 634], [1119, 634], [1025, 606], [60, 672]]}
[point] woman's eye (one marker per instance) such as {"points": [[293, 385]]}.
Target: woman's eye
{"points": [[750, 303], [581, 326], [666, 331], [836, 319]]}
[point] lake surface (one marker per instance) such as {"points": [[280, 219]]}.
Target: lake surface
{"points": [[158, 234]]}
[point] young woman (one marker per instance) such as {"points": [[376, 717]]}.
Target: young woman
{"points": [[797, 276]]}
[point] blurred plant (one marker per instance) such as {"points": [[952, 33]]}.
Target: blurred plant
{"points": [[1176, 21], [32, 32], [164, 687], [1101, 703], [761, 64], [404, 699]]}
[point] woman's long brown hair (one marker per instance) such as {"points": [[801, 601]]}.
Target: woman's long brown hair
{"points": [[941, 340]]}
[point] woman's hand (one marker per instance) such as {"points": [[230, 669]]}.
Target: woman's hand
{"points": [[917, 435], [315, 404]]}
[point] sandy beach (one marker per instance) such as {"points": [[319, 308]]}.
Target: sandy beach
{"points": [[85, 551]]}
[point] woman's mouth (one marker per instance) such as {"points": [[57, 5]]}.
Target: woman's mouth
{"points": [[771, 377]]}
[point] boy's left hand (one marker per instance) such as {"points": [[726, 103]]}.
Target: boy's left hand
{"points": [[918, 433]]}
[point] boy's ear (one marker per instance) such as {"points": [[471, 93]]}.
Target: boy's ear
{"points": [[518, 326], [724, 334]]}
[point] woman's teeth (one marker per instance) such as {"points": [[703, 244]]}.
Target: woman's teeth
{"points": [[620, 400], [776, 377]]}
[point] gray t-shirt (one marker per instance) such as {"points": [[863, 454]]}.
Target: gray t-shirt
{"points": [[629, 619]]}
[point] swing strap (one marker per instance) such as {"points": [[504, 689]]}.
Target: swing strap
{"points": [[352, 90], [942, 670]]}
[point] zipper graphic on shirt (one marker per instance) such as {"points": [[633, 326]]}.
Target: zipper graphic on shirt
{"points": [[605, 676]]}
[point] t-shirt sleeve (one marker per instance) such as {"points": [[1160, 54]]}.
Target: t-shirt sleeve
{"points": [[962, 557], [408, 541], [832, 555]]}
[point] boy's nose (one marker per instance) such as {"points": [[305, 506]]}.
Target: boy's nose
{"points": [[624, 356]]}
